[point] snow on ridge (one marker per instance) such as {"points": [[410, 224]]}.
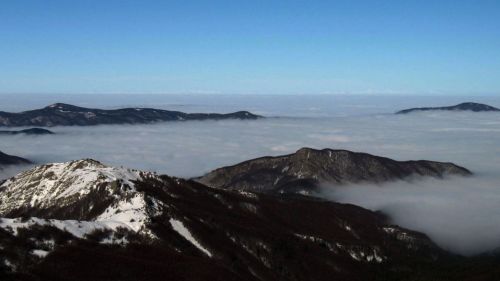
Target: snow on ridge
{"points": [[63, 184], [179, 227], [132, 212], [76, 228], [50, 184]]}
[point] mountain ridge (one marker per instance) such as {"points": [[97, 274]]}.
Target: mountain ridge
{"points": [[6, 159], [192, 232], [307, 168], [60, 114], [175, 214], [466, 106], [31, 131]]}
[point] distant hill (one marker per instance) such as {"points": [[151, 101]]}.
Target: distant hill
{"points": [[32, 131], [6, 159], [305, 169], [466, 106], [61, 114]]}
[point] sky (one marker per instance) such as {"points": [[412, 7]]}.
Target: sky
{"points": [[250, 47]]}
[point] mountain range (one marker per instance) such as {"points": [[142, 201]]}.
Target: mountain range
{"points": [[83, 220], [306, 169], [61, 114], [466, 106]]}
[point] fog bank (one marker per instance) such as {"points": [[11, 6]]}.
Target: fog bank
{"points": [[460, 213]]}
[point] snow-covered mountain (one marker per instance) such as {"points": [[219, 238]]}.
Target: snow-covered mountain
{"points": [[79, 190], [83, 220]]}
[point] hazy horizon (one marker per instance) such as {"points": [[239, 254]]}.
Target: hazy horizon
{"points": [[295, 105]]}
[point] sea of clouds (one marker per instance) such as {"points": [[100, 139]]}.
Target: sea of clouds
{"points": [[460, 214]]}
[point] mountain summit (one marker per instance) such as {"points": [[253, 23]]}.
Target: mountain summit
{"points": [[78, 190], [305, 169], [466, 106], [94, 222], [60, 114], [83, 220]]}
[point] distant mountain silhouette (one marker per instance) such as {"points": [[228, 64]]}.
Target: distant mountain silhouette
{"points": [[32, 131], [466, 106], [6, 159], [61, 114]]}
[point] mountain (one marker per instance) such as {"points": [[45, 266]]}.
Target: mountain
{"points": [[466, 106], [6, 159], [32, 131], [82, 220], [61, 114], [305, 169]]}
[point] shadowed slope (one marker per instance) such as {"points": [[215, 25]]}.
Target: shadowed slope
{"points": [[305, 169]]}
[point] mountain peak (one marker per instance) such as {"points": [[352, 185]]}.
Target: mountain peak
{"points": [[305, 169], [56, 105], [51, 187], [63, 106], [465, 106], [474, 106], [86, 162]]}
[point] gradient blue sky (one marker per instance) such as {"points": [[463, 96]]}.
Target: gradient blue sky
{"points": [[268, 47]]}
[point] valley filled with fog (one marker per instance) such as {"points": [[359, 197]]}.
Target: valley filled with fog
{"points": [[460, 214]]}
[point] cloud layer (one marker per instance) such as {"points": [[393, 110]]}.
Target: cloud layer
{"points": [[459, 214]]}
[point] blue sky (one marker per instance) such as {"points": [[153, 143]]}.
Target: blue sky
{"points": [[256, 47]]}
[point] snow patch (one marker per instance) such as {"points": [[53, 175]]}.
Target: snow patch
{"points": [[179, 227], [78, 229], [130, 212], [40, 253]]}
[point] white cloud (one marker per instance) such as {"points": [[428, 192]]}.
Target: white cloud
{"points": [[459, 213]]}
